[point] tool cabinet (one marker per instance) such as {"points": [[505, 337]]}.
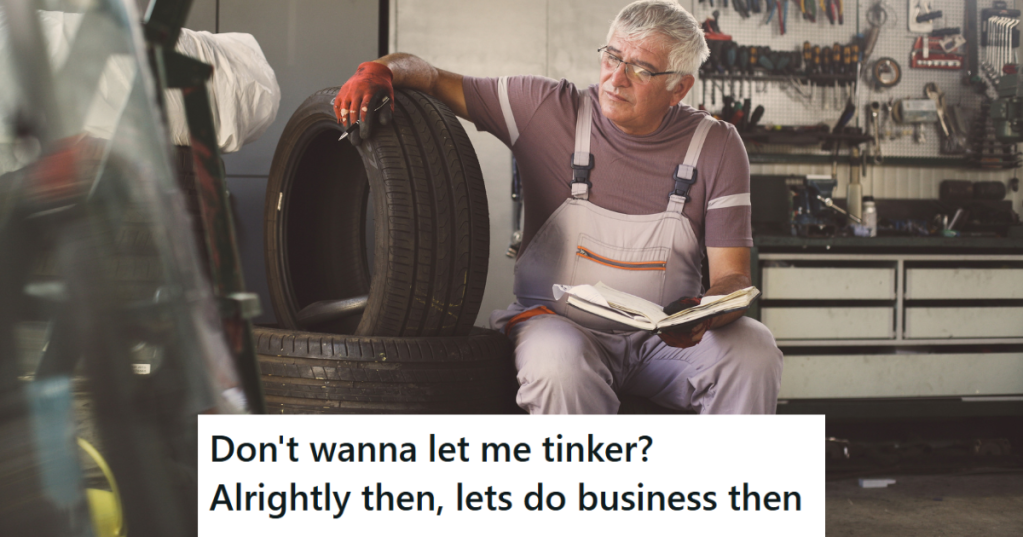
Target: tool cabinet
{"points": [[859, 320]]}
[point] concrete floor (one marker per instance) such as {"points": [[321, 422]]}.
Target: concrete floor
{"points": [[979, 503]]}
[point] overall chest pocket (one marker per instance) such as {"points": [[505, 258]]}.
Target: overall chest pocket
{"points": [[637, 271]]}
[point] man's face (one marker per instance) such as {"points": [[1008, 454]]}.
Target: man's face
{"points": [[634, 107]]}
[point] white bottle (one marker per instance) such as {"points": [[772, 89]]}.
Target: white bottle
{"points": [[870, 215]]}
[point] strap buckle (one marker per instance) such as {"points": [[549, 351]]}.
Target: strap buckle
{"points": [[581, 174], [685, 177]]}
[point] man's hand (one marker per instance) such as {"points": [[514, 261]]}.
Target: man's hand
{"points": [[361, 95], [684, 338]]}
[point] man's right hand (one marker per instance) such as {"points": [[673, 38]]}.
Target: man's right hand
{"points": [[358, 98]]}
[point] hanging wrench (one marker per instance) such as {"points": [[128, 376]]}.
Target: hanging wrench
{"points": [[931, 90], [1008, 43], [875, 113]]}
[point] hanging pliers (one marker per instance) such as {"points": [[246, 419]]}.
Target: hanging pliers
{"points": [[809, 9], [742, 7]]}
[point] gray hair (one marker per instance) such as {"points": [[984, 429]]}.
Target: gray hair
{"points": [[687, 49]]}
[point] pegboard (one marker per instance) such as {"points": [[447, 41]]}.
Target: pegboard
{"points": [[785, 103]]}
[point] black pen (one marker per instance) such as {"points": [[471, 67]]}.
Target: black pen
{"points": [[352, 128]]}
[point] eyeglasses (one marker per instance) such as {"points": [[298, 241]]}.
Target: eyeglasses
{"points": [[634, 72]]}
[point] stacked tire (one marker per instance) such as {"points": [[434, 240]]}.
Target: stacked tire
{"points": [[310, 373], [400, 223]]}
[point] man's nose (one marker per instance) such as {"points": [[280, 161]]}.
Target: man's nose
{"points": [[618, 76]]}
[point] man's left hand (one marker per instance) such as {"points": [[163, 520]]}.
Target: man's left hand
{"points": [[682, 339]]}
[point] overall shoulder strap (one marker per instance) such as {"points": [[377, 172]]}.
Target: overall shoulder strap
{"points": [[582, 159], [506, 110], [685, 174]]}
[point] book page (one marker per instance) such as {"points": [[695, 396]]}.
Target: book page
{"points": [[612, 301], [733, 302], [631, 303], [585, 292], [628, 319]]}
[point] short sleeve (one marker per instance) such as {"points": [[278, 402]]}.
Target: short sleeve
{"points": [[728, 211], [505, 106]]}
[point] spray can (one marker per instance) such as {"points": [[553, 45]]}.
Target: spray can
{"points": [[870, 215]]}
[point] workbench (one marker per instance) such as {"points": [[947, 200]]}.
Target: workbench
{"points": [[896, 319]]}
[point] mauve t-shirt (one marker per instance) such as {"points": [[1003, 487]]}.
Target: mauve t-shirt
{"points": [[631, 174]]}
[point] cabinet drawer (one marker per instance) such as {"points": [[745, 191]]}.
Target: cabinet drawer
{"points": [[790, 283], [939, 323], [940, 283], [901, 375], [829, 323]]}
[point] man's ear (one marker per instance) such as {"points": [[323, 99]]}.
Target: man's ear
{"points": [[682, 89]]}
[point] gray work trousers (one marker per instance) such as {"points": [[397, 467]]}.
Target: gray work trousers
{"points": [[564, 368]]}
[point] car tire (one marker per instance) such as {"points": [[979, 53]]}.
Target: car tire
{"points": [[315, 373], [402, 220]]}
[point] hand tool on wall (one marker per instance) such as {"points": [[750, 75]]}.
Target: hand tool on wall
{"points": [[731, 50], [754, 53], [999, 37], [742, 8], [916, 112], [886, 120], [843, 120], [765, 60], [782, 61], [742, 60], [886, 73], [857, 65], [954, 141], [807, 64], [828, 6], [841, 11], [870, 40], [755, 118], [847, 68], [737, 114], [809, 8], [875, 127], [932, 93], [936, 53], [782, 7], [920, 16], [747, 107], [783, 15], [816, 69], [836, 69], [825, 69]]}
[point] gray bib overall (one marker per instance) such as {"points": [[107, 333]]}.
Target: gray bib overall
{"points": [[654, 256], [577, 363]]}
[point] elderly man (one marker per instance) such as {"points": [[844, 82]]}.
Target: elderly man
{"points": [[624, 185]]}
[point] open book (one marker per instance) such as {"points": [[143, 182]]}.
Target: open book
{"points": [[640, 313]]}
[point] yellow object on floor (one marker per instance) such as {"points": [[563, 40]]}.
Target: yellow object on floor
{"points": [[104, 506]]}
